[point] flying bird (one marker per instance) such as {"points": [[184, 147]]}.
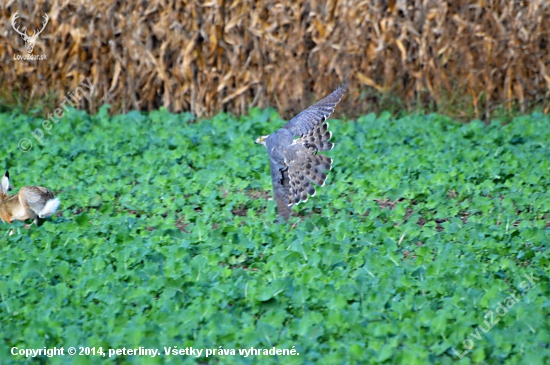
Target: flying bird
{"points": [[293, 153]]}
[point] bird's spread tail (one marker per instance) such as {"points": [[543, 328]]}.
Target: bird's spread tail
{"points": [[311, 169], [49, 208], [318, 138], [314, 168]]}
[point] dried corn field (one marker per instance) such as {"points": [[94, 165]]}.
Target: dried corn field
{"points": [[210, 56]]}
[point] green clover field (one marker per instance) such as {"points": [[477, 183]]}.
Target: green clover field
{"points": [[428, 244]]}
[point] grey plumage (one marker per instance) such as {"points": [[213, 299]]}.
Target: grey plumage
{"points": [[282, 193], [317, 113], [295, 163]]}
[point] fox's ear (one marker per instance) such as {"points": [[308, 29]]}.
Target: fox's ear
{"points": [[6, 182]]}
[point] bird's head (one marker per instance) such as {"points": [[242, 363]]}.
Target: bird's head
{"points": [[261, 140]]}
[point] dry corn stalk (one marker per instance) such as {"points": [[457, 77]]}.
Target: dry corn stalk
{"points": [[229, 55]]}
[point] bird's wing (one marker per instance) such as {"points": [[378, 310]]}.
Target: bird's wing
{"points": [[317, 113], [305, 166], [281, 190]]}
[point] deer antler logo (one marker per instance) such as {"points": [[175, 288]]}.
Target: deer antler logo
{"points": [[30, 41]]}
